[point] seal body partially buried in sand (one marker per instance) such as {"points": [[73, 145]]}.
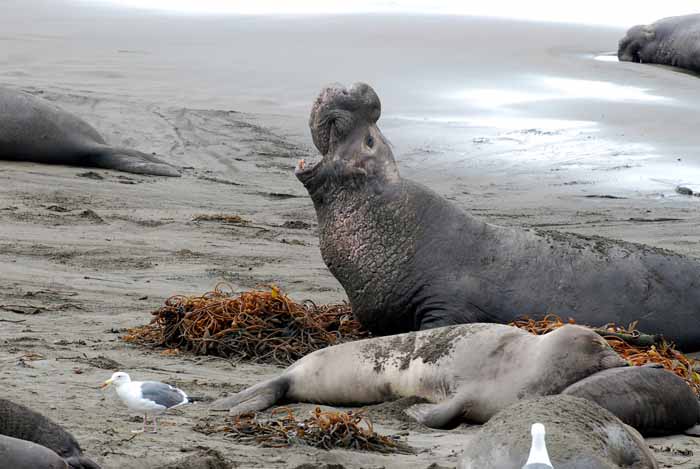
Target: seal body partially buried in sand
{"points": [[467, 373], [33, 129], [670, 41], [28, 440], [408, 259], [579, 435]]}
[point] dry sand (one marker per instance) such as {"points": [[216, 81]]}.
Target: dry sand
{"points": [[91, 252]]}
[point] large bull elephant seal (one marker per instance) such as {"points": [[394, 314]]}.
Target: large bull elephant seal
{"points": [[671, 41], [30, 437], [579, 435], [33, 129], [408, 259]]}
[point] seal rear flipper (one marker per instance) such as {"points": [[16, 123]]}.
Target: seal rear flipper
{"points": [[445, 415], [133, 161], [258, 397]]}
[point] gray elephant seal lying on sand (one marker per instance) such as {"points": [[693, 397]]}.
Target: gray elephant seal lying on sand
{"points": [[33, 129], [671, 41], [32, 441], [467, 373], [408, 259], [579, 435]]}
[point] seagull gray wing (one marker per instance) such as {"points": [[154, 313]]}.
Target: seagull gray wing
{"points": [[163, 394]]}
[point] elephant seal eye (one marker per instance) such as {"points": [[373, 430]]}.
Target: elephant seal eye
{"points": [[370, 141]]}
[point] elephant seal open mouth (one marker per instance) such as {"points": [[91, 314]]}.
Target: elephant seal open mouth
{"points": [[409, 259]]}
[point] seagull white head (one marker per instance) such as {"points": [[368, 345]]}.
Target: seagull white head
{"points": [[117, 379], [538, 457]]}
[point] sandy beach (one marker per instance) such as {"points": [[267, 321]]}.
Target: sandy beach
{"points": [[546, 132]]}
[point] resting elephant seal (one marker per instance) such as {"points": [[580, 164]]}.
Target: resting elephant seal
{"points": [[668, 405], [467, 372], [579, 435], [671, 41], [33, 129], [30, 438], [23, 454], [408, 259]]}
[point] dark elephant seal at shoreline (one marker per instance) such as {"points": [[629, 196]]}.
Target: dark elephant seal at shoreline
{"points": [[31, 430], [467, 372], [579, 435], [33, 129], [670, 41], [408, 259]]}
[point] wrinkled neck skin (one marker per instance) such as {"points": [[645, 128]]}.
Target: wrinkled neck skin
{"points": [[373, 228]]}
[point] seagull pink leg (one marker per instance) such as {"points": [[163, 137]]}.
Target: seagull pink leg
{"points": [[155, 424]]}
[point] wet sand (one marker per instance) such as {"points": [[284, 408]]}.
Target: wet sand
{"points": [[92, 252]]}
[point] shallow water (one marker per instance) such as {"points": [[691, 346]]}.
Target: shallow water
{"points": [[445, 81]]}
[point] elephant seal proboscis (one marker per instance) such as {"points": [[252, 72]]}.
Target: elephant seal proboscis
{"points": [[33, 129], [31, 438], [671, 41], [408, 259], [579, 435]]}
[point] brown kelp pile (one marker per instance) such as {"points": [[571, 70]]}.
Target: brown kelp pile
{"points": [[258, 325], [635, 347], [323, 429]]}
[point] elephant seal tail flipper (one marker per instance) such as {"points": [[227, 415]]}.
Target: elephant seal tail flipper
{"points": [[445, 415], [133, 161], [258, 397]]}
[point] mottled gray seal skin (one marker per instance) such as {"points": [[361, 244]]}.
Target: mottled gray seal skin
{"points": [[408, 259], [670, 41], [26, 425], [467, 372], [33, 129], [22, 454], [579, 435], [668, 405]]}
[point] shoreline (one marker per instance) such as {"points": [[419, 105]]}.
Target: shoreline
{"points": [[119, 244]]}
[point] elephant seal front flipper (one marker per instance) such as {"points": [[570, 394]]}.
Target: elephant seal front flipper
{"points": [[445, 415]]}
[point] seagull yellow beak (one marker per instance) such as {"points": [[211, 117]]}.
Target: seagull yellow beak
{"points": [[106, 383]]}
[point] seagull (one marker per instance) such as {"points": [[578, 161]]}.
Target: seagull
{"points": [[149, 397], [538, 458]]}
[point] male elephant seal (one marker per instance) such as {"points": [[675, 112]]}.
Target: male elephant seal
{"points": [[408, 259], [33, 129], [670, 41], [579, 435], [470, 372], [34, 441]]}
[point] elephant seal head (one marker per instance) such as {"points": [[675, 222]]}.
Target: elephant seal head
{"points": [[631, 47], [355, 154]]}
